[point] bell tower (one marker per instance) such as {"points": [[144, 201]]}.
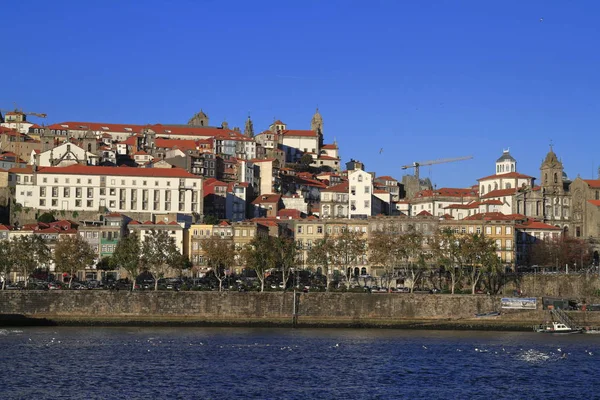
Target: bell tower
{"points": [[552, 174]]}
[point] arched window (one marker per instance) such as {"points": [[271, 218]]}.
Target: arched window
{"points": [[482, 189], [360, 178], [495, 185], [555, 177], [90, 147], [546, 178], [507, 186], [512, 168], [489, 188], [363, 271]]}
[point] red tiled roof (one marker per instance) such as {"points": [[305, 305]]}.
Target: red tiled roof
{"points": [[326, 157], [339, 188], [4, 228], [224, 223], [447, 216], [468, 206], [386, 178], [380, 191], [424, 213], [118, 171], [330, 146], [267, 198], [593, 183], [184, 144], [532, 224], [492, 202], [507, 175], [290, 213], [490, 216], [499, 193], [448, 192], [594, 202], [140, 153]]}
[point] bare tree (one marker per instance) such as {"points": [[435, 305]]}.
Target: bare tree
{"points": [[127, 255], [258, 256], [159, 251], [30, 252], [6, 260], [220, 256], [73, 253], [286, 254], [321, 256], [416, 256], [347, 248], [385, 251]]}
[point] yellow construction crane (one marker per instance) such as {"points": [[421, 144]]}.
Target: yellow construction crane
{"points": [[17, 111], [418, 164]]}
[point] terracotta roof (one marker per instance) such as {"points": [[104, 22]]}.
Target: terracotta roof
{"points": [[224, 223], [257, 160], [507, 175], [468, 206], [593, 183], [594, 202], [118, 171], [424, 213], [290, 213], [140, 153], [133, 222], [386, 178], [184, 144], [499, 193], [448, 192], [447, 216], [4, 228], [532, 224], [490, 216], [24, 170], [339, 188], [380, 191], [267, 198], [492, 202], [330, 146], [326, 157]]}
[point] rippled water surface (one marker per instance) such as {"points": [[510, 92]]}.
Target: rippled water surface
{"points": [[220, 363]]}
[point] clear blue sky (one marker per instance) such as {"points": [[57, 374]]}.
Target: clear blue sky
{"points": [[420, 79]]}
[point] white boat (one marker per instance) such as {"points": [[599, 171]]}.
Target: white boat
{"points": [[557, 328]]}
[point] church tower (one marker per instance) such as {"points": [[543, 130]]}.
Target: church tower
{"points": [[316, 124], [552, 174], [200, 119], [249, 129]]}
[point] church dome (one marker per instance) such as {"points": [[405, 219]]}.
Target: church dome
{"points": [[505, 157]]}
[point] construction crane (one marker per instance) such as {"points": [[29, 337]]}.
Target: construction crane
{"points": [[418, 164]]}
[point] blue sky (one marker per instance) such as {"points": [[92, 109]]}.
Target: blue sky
{"points": [[420, 79]]}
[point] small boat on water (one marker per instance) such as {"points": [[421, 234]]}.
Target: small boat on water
{"points": [[556, 328], [561, 324]]}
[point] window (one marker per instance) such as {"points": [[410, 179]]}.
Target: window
{"points": [[42, 191], [508, 244], [509, 230], [54, 203], [319, 229], [90, 203], [360, 178], [90, 192], [488, 230], [498, 230], [44, 180], [66, 192], [42, 202], [310, 230], [367, 189], [367, 204], [299, 229], [102, 191], [112, 204], [479, 230], [77, 203]]}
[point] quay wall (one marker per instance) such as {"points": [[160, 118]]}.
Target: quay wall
{"points": [[269, 309], [579, 286]]}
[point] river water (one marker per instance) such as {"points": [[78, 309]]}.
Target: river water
{"points": [[230, 363]]}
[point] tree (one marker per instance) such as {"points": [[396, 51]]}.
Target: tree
{"points": [[305, 161], [159, 251], [73, 253], [561, 251], [30, 251], [447, 248], [105, 264], [181, 262], [347, 248], [210, 220], [6, 260], [258, 256], [46, 217], [127, 256], [220, 256], [286, 253], [416, 257], [321, 256], [477, 251], [385, 251]]}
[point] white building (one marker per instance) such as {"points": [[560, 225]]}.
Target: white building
{"points": [[118, 189], [360, 191], [63, 155], [506, 177], [173, 229]]}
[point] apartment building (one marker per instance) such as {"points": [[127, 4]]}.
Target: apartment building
{"points": [[116, 189]]}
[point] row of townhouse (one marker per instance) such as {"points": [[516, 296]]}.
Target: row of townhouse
{"points": [[513, 235]]}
